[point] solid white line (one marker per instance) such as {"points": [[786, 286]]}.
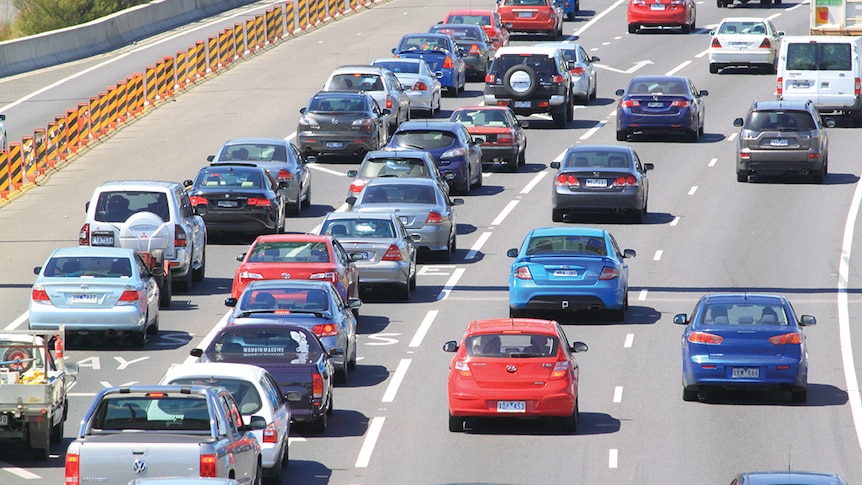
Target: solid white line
{"points": [[81, 394], [20, 472], [692, 190], [395, 383], [478, 245], [423, 328], [675, 221], [613, 113], [597, 17], [712, 162], [374, 428], [703, 53], [592, 131], [677, 68], [18, 321], [844, 315], [630, 338], [505, 212], [618, 394], [539, 176], [658, 254], [559, 158], [453, 280], [642, 295], [290, 136], [613, 458], [327, 170]]}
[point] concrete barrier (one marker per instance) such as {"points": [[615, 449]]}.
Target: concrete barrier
{"points": [[105, 34]]}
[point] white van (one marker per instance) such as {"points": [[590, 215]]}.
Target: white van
{"points": [[825, 69]]}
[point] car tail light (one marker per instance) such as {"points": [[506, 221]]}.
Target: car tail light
{"points": [[629, 103], [84, 235], [434, 217], [523, 273], [284, 175], [455, 152], [561, 368], [857, 87], [366, 125], [567, 179], [129, 296], [245, 275], [39, 294], [329, 275], [73, 469], [420, 86], [474, 49], [715, 43], [506, 138], [197, 200], [357, 185], [639, 2], [258, 201], [766, 44], [624, 181], [609, 273], [325, 330], [392, 254], [389, 101], [681, 103], [779, 88], [556, 79], [787, 338], [490, 78], [309, 121], [704, 338], [448, 64], [463, 368], [578, 71], [744, 156], [316, 386], [180, 236], [208, 466], [270, 434]]}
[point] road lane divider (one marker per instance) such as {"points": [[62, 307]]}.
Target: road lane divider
{"points": [[643, 294], [453, 280], [532, 183], [423, 328], [657, 255], [397, 378], [678, 68], [483, 238], [692, 190], [613, 458], [18, 321], [712, 162], [504, 213], [675, 221], [374, 428], [19, 472], [630, 338], [618, 394], [593, 130]]}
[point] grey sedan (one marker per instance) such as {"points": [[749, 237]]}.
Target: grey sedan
{"points": [[423, 208], [283, 161], [379, 244], [418, 80], [396, 162]]}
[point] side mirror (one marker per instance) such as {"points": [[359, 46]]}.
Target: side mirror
{"points": [[311, 159], [394, 50], [354, 303], [570, 65], [71, 368], [416, 237], [450, 346], [579, 347], [478, 140], [240, 256], [594, 59], [230, 302], [37, 270], [210, 158], [703, 92], [303, 110], [738, 122], [555, 165], [807, 321], [620, 92], [158, 272], [629, 253], [336, 352], [352, 173], [196, 352], [680, 319], [781, 33], [648, 167], [457, 201], [257, 423], [188, 183], [712, 32], [512, 253], [830, 122], [524, 123], [351, 200]]}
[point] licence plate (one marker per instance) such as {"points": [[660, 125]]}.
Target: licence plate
{"points": [[4, 420], [228, 203], [565, 272], [597, 183], [745, 373], [779, 142], [656, 6], [102, 239], [525, 15], [521, 104], [334, 144], [655, 104], [739, 45], [83, 299], [511, 407], [800, 84]]}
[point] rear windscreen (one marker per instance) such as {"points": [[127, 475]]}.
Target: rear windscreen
{"points": [[356, 82], [153, 411], [255, 346], [819, 56], [779, 121], [540, 63], [118, 206], [511, 345], [424, 140]]}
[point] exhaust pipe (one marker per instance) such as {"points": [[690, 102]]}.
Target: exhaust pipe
{"points": [[595, 308], [360, 152]]}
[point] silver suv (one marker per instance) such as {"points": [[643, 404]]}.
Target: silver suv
{"points": [[380, 83], [782, 137]]}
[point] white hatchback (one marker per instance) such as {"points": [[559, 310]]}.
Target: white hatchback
{"points": [[260, 401], [744, 42]]}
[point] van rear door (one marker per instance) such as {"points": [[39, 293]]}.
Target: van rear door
{"points": [[822, 71]]}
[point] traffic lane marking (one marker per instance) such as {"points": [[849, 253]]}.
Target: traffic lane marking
{"points": [[19, 472], [395, 382], [374, 428], [423, 328]]}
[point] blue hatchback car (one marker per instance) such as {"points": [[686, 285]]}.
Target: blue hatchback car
{"points": [[569, 269], [661, 104], [441, 53], [458, 156], [744, 341]]}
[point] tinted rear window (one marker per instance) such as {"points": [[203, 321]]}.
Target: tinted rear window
{"points": [[745, 314], [229, 177], [598, 159], [469, 19], [254, 152], [328, 104], [398, 194], [585, 245], [539, 62], [425, 140], [90, 266], [819, 56], [243, 392], [118, 206], [512, 345], [169, 412], [290, 252], [394, 167], [356, 82], [779, 121], [361, 229], [255, 346], [399, 67]]}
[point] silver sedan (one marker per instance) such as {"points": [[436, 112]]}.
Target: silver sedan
{"points": [[418, 80], [423, 208], [379, 244]]}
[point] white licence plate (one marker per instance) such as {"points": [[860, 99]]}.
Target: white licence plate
{"points": [[83, 299], [227, 203], [511, 407], [655, 104], [745, 373], [334, 144], [102, 240], [525, 15], [739, 45], [521, 104], [779, 142], [801, 84], [656, 6], [565, 272], [597, 183], [4, 420]]}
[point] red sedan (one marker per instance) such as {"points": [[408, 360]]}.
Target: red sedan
{"points": [[662, 13], [505, 139], [297, 256], [488, 19], [531, 16], [515, 368]]}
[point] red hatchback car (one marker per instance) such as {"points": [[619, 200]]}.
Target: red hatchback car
{"points": [[532, 16], [662, 13], [514, 368], [297, 256], [488, 19], [505, 139]]}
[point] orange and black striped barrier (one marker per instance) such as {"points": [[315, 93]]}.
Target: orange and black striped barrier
{"points": [[5, 179], [170, 76], [84, 118], [260, 31], [223, 48], [16, 166], [290, 18], [111, 92], [239, 39], [72, 138], [136, 93], [250, 41], [122, 102], [150, 84], [200, 59], [161, 80], [104, 114], [95, 118], [62, 143], [278, 22], [302, 14], [40, 143], [28, 159], [212, 53], [182, 69], [52, 151]]}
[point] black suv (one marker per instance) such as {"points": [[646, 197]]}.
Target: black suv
{"points": [[782, 137], [531, 80]]}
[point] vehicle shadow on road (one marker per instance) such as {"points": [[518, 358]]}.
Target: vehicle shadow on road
{"points": [[635, 315], [588, 424], [655, 218], [818, 395], [675, 138], [165, 340], [342, 423], [831, 179], [307, 472], [365, 376], [370, 324]]}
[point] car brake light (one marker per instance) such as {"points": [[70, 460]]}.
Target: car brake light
{"points": [[715, 43], [366, 125], [624, 181], [448, 64], [561, 369], [197, 200], [389, 101], [765, 44], [129, 296], [490, 78], [609, 273], [681, 103], [567, 179], [392, 254], [284, 175], [316, 386], [463, 368], [453, 153], [434, 217], [556, 79], [704, 338], [578, 71], [787, 338], [523, 273], [179, 236], [506, 138], [270, 434], [474, 49], [357, 185], [245, 275], [39, 294], [779, 88], [329, 275], [325, 330], [73, 469], [420, 86], [208, 466], [857, 87], [629, 103], [258, 201], [84, 235]]}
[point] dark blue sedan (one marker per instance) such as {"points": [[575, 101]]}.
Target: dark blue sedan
{"points": [[441, 53], [661, 104], [744, 341], [458, 156]]}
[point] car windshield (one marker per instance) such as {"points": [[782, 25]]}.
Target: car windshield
{"points": [[290, 252], [780, 121], [256, 346], [356, 82], [88, 267], [469, 19], [485, 117], [154, 411], [742, 27], [394, 194], [394, 167], [460, 33], [329, 104], [359, 228], [523, 345], [251, 152], [654, 87], [744, 314], [243, 392], [580, 245], [538, 62], [424, 139], [399, 67], [423, 43], [284, 300], [229, 177], [117, 206], [597, 159]]}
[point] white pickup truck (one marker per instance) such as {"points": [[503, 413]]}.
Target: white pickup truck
{"points": [[163, 431]]}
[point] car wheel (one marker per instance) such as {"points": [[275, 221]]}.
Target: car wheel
{"points": [[561, 116], [820, 176], [686, 28], [719, 3], [185, 282], [456, 423], [479, 180], [769, 68], [570, 423], [351, 362], [343, 373], [512, 163], [765, 3], [154, 328], [277, 470], [558, 215], [139, 339], [331, 407], [619, 315], [522, 157], [692, 135], [637, 216], [318, 425], [799, 396], [570, 112], [258, 474], [527, 71], [403, 292], [689, 394], [622, 135], [165, 291], [633, 28], [306, 202], [40, 454], [741, 176], [713, 67], [57, 431], [200, 273]]}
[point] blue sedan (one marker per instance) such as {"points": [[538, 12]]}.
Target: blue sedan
{"points": [[661, 104], [441, 53], [744, 341], [569, 269]]}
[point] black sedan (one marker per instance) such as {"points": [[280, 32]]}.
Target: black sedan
{"points": [[600, 178], [475, 46], [281, 158], [347, 123], [239, 198]]}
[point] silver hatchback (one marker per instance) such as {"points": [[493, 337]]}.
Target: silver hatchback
{"points": [[380, 83]]}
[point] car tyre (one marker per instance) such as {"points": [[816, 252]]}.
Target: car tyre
{"points": [[689, 395], [522, 157], [633, 28], [799, 396], [570, 423], [318, 425], [685, 28], [507, 81], [200, 273], [57, 431], [404, 291], [351, 362], [139, 339], [820, 177], [622, 135], [479, 180], [713, 67], [165, 291], [342, 374], [456, 423], [516, 312], [741, 176], [154, 328], [558, 215], [184, 284], [561, 116], [413, 276], [306, 202], [40, 454], [570, 112]]}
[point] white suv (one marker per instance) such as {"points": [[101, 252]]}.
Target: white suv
{"points": [[148, 215]]}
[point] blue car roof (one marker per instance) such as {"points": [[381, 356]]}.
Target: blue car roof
{"points": [[428, 125], [82, 251], [568, 231], [759, 298]]}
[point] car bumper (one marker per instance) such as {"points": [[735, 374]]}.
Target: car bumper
{"points": [[125, 318], [423, 100], [251, 221], [659, 18], [529, 296], [780, 162], [492, 153], [457, 166], [346, 144], [526, 107], [741, 58], [433, 237], [581, 87], [545, 26], [555, 401], [269, 454], [449, 79], [685, 120], [476, 64], [827, 104], [384, 272], [696, 376], [629, 198]]}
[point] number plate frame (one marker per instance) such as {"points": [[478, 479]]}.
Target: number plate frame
{"points": [[522, 104], [745, 373], [509, 407], [101, 239], [525, 15], [602, 183], [227, 204], [655, 104], [779, 142], [338, 145], [656, 6], [83, 299], [565, 273]]}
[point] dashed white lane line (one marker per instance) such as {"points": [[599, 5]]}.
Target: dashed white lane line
{"points": [[453, 280], [19, 472], [374, 428], [677, 68], [642, 295], [320, 168], [539, 176], [613, 458], [732, 136], [712, 162], [596, 18], [630, 339], [395, 383], [692, 190], [675, 221], [702, 53], [658, 254], [505, 212], [477, 246], [592, 131], [618, 394], [423, 328], [18, 321]]}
